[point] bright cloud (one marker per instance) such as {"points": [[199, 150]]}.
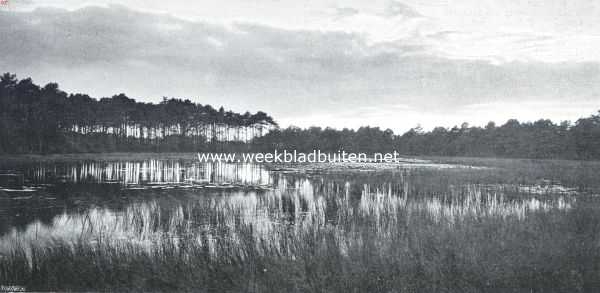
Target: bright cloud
{"points": [[383, 62]]}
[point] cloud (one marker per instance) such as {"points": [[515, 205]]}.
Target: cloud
{"points": [[342, 12], [396, 8], [287, 72], [392, 9]]}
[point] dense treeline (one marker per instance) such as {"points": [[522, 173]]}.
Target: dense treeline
{"points": [[540, 139], [36, 119]]}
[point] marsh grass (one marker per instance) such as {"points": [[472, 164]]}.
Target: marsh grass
{"points": [[580, 174], [554, 251], [398, 231]]}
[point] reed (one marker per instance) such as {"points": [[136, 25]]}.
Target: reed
{"points": [[457, 230]]}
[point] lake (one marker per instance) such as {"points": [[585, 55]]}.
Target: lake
{"points": [[425, 225]]}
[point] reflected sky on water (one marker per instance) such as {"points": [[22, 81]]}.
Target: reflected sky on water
{"points": [[149, 172], [144, 202]]}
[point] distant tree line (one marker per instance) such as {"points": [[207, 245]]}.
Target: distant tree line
{"points": [[540, 139], [36, 119]]}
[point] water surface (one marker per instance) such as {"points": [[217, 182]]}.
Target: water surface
{"points": [[143, 202]]}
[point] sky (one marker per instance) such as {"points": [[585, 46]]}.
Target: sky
{"points": [[386, 63]]}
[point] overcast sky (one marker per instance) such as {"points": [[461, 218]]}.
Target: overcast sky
{"points": [[328, 63]]}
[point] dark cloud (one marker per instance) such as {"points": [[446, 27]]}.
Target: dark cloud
{"points": [[245, 66]]}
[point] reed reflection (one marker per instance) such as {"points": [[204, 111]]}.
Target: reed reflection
{"points": [[150, 172], [294, 209]]}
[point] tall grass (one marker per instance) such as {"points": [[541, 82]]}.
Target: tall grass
{"points": [[404, 231], [555, 251], [548, 252]]}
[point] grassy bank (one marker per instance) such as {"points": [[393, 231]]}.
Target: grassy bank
{"points": [[515, 226], [551, 252]]}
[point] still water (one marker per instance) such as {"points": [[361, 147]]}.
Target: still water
{"points": [[144, 202]]}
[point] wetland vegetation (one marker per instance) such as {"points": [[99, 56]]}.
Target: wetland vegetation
{"points": [[158, 221], [174, 224]]}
